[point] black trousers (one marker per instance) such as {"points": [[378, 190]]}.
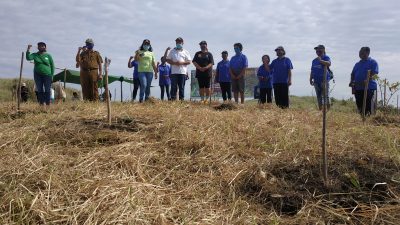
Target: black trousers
{"points": [[369, 109], [226, 90], [166, 89], [265, 95], [281, 92], [136, 85]]}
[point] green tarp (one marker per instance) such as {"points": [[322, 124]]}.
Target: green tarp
{"points": [[72, 76]]}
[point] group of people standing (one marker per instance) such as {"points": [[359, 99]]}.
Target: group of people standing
{"points": [[274, 77]]}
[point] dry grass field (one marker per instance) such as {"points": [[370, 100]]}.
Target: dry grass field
{"points": [[186, 163]]}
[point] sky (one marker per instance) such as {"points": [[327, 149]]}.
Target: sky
{"points": [[119, 27]]}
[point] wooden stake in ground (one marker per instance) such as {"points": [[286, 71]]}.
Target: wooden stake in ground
{"points": [[211, 90], [365, 95], [324, 109], [106, 64], [19, 82], [65, 77]]}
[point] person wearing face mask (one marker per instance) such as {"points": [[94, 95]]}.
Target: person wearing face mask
{"points": [[90, 62], [359, 81], [43, 71], [237, 69], [265, 80], [147, 65], [203, 61], [179, 59], [317, 75], [282, 77]]}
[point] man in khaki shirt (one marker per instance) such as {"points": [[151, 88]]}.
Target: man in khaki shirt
{"points": [[90, 62]]}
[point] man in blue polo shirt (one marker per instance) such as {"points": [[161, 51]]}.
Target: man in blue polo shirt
{"points": [[237, 69], [136, 81], [282, 77], [359, 78], [223, 77], [317, 75]]}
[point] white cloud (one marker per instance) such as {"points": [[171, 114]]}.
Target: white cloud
{"points": [[118, 27]]}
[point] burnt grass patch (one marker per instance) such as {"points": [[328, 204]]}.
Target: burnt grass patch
{"points": [[225, 106], [353, 182], [387, 120], [91, 132]]}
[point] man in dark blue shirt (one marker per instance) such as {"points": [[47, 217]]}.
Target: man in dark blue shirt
{"points": [[359, 76]]}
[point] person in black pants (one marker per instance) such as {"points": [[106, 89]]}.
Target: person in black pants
{"points": [[164, 71], [265, 80], [136, 81], [282, 77], [366, 66], [223, 77]]}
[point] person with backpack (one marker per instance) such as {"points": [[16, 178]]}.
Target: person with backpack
{"points": [[317, 75], [43, 71]]}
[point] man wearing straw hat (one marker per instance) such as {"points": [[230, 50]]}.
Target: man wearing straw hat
{"points": [[359, 76], [91, 71]]}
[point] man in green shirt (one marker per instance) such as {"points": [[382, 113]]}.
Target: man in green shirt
{"points": [[43, 71]]}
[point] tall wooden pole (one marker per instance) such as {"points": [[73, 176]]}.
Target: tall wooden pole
{"points": [[384, 93], [364, 106], [398, 111], [65, 77], [19, 82], [324, 109], [121, 92], [107, 63]]}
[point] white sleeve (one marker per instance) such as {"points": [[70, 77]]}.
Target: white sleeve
{"points": [[188, 56], [169, 56]]}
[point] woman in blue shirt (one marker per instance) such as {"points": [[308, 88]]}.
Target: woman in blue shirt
{"points": [[165, 81], [223, 77], [265, 80], [282, 77]]}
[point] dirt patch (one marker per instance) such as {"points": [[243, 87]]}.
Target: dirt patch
{"points": [[91, 133], [387, 120], [225, 106], [121, 124], [355, 182]]}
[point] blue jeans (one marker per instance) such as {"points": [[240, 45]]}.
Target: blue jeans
{"points": [[145, 84], [43, 85], [319, 92], [177, 80]]}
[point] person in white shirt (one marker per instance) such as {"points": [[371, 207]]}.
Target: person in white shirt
{"points": [[179, 59]]}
